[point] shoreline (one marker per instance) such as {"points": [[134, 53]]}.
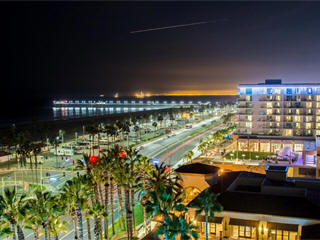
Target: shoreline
{"points": [[50, 128]]}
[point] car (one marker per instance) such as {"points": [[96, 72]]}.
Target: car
{"points": [[140, 148], [103, 150]]}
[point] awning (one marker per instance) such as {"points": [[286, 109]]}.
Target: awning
{"points": [[283, 226], [242, 222], [202, 218]]}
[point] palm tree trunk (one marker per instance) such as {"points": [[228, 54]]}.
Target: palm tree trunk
{"points": [[112, 205], [96, 229], [206, 226], [132, 208], [89, 228], [106, 205], [36, 234], [13, 229], [74, 226], [128, 213], [79, 218], [120, 202], [56, 237], [20, 233], [144, 208]]}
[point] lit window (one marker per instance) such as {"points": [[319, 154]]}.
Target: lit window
{"points": [[269, 91], [249, 91], [249, 124], [309, 104], [278, 98], [308, 125], [287, 132], [278, 91], [309, 90], [269, 111], [289, 91], [278, 118], [298, 111], [288, 118]]}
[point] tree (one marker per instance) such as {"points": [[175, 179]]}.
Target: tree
{"points": [[74, 192], [14, 207], [189, 156], [207, 202], [97, 211]]}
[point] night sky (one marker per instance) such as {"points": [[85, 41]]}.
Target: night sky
{"points": [[85, 49]]}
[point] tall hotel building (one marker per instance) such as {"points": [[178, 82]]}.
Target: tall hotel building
{"points": [[274, 115]]}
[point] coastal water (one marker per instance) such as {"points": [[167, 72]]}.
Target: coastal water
{"points": [[42, 109]]}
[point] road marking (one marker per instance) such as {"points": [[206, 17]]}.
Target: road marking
{"points": [[187, 142]]}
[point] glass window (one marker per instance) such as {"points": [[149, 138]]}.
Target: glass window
{"points": [[298, 147], [287, 132], [249, 91], [289, 90], [278, 91], [269, 91], [212, 228], [309, 104], [309, 90], [278, 118]]}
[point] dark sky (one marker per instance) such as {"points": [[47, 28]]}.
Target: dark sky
{"points": [[83, 49]]}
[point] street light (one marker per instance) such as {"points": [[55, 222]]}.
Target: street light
{"points": [[243, 155]]}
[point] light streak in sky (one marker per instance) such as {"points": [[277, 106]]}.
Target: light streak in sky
{"points": [[175, 26]]}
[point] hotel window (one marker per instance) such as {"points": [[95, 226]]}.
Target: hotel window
{"points": [[278, 98], [249, 124], [309, 111], [287, 132], [289, 91], [249, 118], [308, 118], [269, 111], [249, 91], [213, 228], [298, 147], [309, 104], [269, 104], [309, 90], [241, 231], [318, 96], [318, 125], [308, 125], [318, 104], [264, 147], [298, 125], [269, 91], [297, 118], [278, 118], [248, 98], [318, 132], [275, 147], [276, 234], [288, 118], [277, 91], [318, 119]]}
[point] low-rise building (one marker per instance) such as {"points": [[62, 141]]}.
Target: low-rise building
{"points": [[263, 206]]}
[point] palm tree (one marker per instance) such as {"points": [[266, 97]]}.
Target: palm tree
{"points": [[61, 134], [207, 202], [178, 226], [44, 207], [14, 207], [74, 192], [97, 211], [146, 167], [163, 203]]}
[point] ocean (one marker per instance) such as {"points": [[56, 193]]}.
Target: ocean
{"points": [[41, 109]]}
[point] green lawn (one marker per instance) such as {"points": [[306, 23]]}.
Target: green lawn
{"points": [[248, 155], [138, 210]]}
